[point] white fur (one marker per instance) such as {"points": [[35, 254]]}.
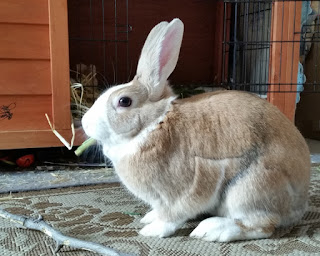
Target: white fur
{"points": [[161, 228], [97, 126], [149, 217], [223, 230], [94, 122], [121, 147]]}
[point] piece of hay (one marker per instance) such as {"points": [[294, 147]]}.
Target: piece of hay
{"points": [[86, 144], [66, 143], [8, 198], [84, 89]]}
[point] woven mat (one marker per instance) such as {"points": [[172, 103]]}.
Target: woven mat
{"points": [[107, 214]]}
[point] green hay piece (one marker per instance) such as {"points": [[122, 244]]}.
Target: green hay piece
{"points": [[85, 145], [185, 92], [8, 162]]}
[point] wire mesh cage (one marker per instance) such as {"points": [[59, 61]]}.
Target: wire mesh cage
{"points": [[248, 47], [266, 47], [98, 43], [271, 46]]}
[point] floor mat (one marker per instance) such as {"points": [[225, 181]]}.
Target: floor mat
{"points": [[15, 180], [108, 214]]}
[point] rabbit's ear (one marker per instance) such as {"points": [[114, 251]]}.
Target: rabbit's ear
{"points": [[159, 56]]}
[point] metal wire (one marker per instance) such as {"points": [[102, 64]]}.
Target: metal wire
{"points": [[96, 42], [246, 45], [250, 45]]}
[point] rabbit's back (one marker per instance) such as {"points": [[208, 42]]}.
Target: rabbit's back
{"points": [[239, 125], [231, 122]]}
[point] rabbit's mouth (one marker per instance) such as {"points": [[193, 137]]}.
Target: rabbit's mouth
{"points": [[93, 126]]}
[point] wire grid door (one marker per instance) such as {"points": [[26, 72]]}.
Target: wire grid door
{"points": [[99, 44], [271, 47]]}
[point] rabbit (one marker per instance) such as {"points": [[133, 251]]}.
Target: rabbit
{"points": [[229, 154]]}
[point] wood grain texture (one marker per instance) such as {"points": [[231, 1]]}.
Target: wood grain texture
{"points": [[293, 49], [25, 77], [284, 56], [28, 112], [34, 59], [34, 139], [20, 41], [27, 12], [59, 55], [222, 24], [218, 20]]}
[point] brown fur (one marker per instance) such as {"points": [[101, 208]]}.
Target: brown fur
{"points": [[227, 153], [182, 158]]}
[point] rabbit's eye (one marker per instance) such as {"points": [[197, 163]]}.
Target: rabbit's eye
{"points": [[125, 102]]}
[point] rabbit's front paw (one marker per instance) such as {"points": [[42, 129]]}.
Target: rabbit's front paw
{"points": [[160, 228], [149, 217], [225, 229], [217, 229]]}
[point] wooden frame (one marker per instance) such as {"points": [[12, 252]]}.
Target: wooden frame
{"points": [[59, 52], [221, 32], [57, 23], [284, 55]]}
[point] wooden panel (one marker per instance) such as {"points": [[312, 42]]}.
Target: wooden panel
{"points": [[221, 31], [26, 56], [59, 53], [28, 139], [19, 113], [37, 139], [29, 11], [284, 57], [293, 50], [20, 41], [20, 77]]}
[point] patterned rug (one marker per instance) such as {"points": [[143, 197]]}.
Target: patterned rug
{"points": [[108, 214]]}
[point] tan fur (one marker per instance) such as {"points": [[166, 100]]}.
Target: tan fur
{"points": [[227, 153], [266, 228], [130, 123], [181, 160]]}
